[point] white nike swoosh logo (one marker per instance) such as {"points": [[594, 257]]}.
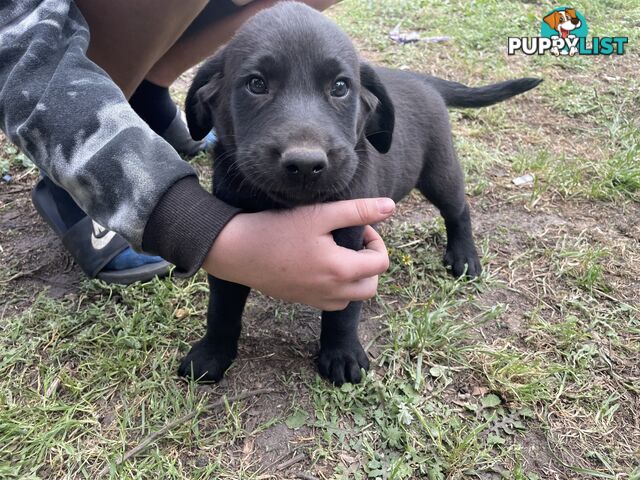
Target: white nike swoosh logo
{"points": [[103, 240]]}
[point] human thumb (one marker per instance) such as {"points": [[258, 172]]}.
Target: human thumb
{"points": [[361, 211]]}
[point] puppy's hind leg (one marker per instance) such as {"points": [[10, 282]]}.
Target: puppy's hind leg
{"points": [[442, 182], [210, 357]]}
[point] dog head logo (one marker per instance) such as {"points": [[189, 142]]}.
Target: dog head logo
{"points": [[567, 24], [564, 22]]}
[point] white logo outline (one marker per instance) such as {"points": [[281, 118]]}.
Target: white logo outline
{"points": [[100, 236]]}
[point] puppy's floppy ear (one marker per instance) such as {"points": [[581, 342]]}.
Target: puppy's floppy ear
{"points": [[381, 113], [204, 89], [571, 12], [553, 20]]}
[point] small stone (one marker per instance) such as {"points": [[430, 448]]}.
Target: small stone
{"points": [[523, 180]]}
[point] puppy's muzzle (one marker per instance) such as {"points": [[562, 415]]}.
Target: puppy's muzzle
{"points": [[304, 164]]}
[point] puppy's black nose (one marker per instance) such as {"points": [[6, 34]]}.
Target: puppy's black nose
{"points": [[304, 162], [575, 21]]}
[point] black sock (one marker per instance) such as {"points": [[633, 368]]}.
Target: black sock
{"points": [[154, 105]]}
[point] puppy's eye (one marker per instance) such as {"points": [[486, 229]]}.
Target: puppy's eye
{"points": [[257, 86], [340, 88]]}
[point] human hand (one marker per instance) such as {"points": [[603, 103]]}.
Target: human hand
{"points": [[291, 254]]}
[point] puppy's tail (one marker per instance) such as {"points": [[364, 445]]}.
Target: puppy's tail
{"points": [[459, 95]]}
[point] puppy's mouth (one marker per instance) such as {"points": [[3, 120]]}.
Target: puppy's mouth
{"points": [[293, 195], [298, 184], [298, 197]]}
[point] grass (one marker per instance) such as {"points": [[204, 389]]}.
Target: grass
{"points": [[530, 372]]}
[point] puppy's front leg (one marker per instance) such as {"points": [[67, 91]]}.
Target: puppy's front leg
{"points": [[210, 357], [341, 354]]}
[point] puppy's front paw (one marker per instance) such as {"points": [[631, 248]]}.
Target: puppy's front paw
{"points": [[205, 363], [342, 363], [461, 258]]}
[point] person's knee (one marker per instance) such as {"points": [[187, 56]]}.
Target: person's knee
{"points": [[128, 38]]}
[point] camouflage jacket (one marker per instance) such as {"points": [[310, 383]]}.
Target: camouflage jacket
{"points": [[66, 114]]}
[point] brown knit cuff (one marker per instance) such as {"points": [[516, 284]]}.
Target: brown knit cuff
{"points": [[184, 225]]}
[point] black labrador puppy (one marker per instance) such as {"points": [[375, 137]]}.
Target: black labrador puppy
{"points": [[302, 119]]}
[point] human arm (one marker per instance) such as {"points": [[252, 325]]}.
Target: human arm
{"points": [[68, 116]]}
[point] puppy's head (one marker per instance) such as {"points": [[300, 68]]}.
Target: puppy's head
{"points": [[289, 95]]}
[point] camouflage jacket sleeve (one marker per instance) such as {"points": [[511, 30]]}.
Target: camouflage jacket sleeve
{"points": [[68, 116]]}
